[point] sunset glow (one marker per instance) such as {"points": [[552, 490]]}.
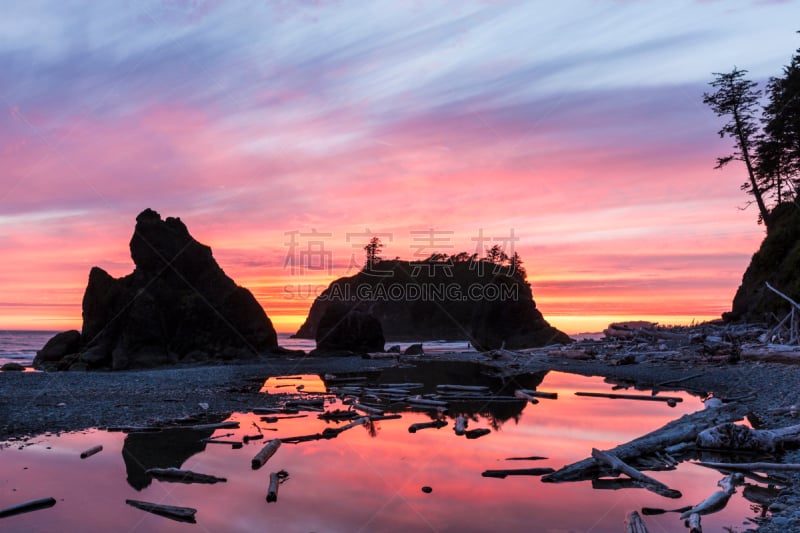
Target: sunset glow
{"points": [[284, 134]]}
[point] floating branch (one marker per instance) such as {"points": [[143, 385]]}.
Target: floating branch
{"points": [[477, 433], [540, 394], [26, 507], [183, 476], [181, 514]]}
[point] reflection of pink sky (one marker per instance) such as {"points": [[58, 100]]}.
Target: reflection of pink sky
{"points": [[356, 482]]}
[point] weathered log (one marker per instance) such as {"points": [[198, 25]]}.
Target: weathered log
{"points": [[634, 523], [412, 385], [413, 428], [672, 401], [477, 433], [517, 472], [91, 451], [219, 425], [464, 388], [647, 482], [232, 443], [737, 437], [366, 409], [248, 438], [525, 396], [180, 514], [26, 507], [461, 425], [694, 523], [183, 476], [541, 394], [266, 452], [425, 402], [275, 479], [757, 467], [683, 429], [718, 500]]}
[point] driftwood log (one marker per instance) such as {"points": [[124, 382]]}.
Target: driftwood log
{"points": [[718, 500], [436, 424], [517, 472], [681, 430], [275, 479], [183, 476], [461, 425], [634, 523], [753, 467], [26, 507], [181, 514], [266, 452], [647, 482], [477, 433], [694, 523], [672, 401], [540, 394], [737, 437], [91, 451]]}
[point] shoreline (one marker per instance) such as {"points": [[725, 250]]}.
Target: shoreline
{"points": [[32, 403]]}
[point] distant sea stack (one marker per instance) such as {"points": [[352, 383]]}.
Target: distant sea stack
{"points": [[777, 262], [176, 306], [479, 301]]}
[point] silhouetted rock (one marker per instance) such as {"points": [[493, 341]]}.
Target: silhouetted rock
{"points": [[12, 367], [414, 349], [177, 305], [343, 328], [61, 345], [777, 262], [479, 301]]}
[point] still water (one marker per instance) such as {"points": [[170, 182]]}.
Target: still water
{"points": [[366, 479]]}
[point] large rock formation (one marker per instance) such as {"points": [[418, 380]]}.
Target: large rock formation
{"points": [[470, 300], [777, 262], [344, 329], [177, 305]]}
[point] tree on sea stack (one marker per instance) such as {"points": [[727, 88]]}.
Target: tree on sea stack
{"points": [[373, 249]]}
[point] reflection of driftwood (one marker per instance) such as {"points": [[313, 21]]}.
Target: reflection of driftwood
{"points": [[648, 511], [529, 458], [91, 451], [757, 467], [328, 433], [26, 507], [181, 514], [436, 424], [615, 483], [338, 414], [634, 523], [266, 452], [684, 429], [736, 437], [670, 400], [517, 472], [183, 476], [477, 433], [762, 496], [718, 500], [647, 482], [219, 425]]}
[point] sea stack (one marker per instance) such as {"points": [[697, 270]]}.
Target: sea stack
{"points": [[176, 306]]}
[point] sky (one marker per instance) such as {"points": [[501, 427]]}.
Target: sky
{"points": [[285, 134]]}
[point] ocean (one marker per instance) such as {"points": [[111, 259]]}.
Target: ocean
{"points": [[21, 346]]}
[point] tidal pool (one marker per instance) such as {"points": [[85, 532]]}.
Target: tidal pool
{"points": [[367, 478]]}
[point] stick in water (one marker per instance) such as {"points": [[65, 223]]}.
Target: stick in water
{"points": [[26, 507], [91, 451]]}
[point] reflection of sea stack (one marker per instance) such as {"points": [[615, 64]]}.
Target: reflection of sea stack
{"points": [[476, 300], [177, 305]]}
